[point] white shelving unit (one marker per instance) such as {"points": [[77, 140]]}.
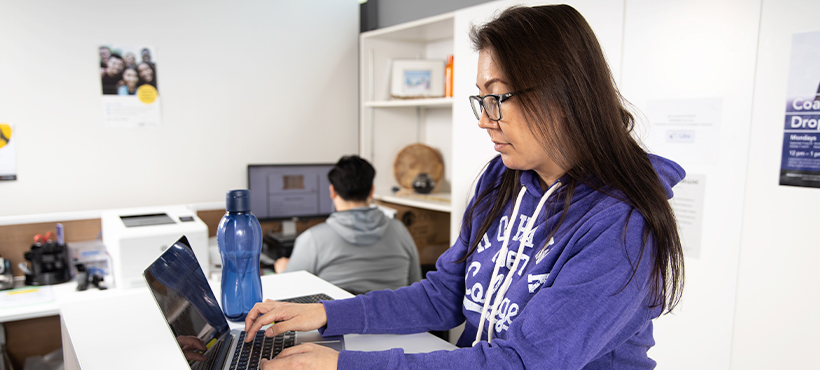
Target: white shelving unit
{"points": [[388, 125], [432, 103]]}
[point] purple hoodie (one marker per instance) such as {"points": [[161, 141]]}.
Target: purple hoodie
{"points": [[567, 304]]}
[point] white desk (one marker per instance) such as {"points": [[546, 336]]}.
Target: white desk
{"points": [[129, 332], [61, 293]]}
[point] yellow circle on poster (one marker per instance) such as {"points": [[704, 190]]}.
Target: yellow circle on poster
{"points": [[5, 134], [147, 93]]}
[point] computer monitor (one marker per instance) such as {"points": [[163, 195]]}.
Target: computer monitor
{"points": [[285, 191]]}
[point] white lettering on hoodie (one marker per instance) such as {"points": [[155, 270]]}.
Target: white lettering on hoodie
{"points": [[474, 296], [483, 244], [535, 281], [502, 225], [506, 312], [496, 308]]}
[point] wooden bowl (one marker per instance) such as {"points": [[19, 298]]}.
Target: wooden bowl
{"points": [[415, 159]]}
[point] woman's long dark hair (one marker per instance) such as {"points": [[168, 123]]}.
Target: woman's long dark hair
{"points": [[579, 114]]}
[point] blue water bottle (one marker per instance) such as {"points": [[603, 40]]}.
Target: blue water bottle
{"points": [[239, 236]]}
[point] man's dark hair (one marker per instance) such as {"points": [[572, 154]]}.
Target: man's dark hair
{"points": [[115, 55], [352, 178]]}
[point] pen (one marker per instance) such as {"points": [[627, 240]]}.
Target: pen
{"points": [[60, 238]]}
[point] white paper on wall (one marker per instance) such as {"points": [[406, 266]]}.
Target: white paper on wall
{"points": [[688, 206], [130, 93], [685, 130]]}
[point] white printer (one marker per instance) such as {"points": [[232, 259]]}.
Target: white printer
{"points": [[135, 237]]}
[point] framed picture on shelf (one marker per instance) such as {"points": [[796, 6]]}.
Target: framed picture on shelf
{"points": [[417, 78]]}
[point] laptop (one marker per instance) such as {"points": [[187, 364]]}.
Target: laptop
{"points": [[185, 298]]}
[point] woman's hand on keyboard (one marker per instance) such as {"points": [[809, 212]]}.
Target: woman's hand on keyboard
{"points": [[285, 317], [303, 357]]}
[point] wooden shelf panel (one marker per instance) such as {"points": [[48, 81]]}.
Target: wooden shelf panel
{"points": [[431, 202]]}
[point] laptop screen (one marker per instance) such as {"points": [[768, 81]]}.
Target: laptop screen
{"points": [[186, 300]]}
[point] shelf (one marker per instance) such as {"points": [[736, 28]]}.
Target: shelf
{"points": [[431, 102], [419, 201], [386, 125], [423, 30]]}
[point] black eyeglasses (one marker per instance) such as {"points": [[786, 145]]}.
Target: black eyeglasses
{"points": [[491, 103]]}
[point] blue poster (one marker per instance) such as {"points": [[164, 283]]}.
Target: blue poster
{"points": [[800, 163]]}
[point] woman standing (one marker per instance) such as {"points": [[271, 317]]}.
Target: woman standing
{"points": [[569, 248]]}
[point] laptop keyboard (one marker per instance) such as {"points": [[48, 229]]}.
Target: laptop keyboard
{"points": [[247, 355], [313, 298]]}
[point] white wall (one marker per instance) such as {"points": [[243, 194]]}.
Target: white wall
{"points": [[678, 51], [778, 292], [240, 82]]}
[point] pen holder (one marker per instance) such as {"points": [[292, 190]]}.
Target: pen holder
{"points": [[50, 264]]}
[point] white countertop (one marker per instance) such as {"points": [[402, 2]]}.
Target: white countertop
{"points": [[46, 300], [118, 330]]}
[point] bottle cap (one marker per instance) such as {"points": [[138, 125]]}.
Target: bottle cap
{"points": [[238, 200]]}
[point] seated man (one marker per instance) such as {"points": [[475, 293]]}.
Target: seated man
{"points": [[358, 248]]}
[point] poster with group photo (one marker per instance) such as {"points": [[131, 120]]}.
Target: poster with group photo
{"points": [[800, 161], [130, 94]]}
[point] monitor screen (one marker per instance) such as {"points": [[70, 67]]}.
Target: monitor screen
{"points": [[281, 191]]}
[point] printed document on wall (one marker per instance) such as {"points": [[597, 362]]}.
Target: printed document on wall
{"points": [[800, 158], [688, 206], [686, 131], [130, 95], [8, 155]]}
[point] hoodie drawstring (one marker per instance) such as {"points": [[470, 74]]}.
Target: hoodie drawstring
{"points": [[500, 261], [489, 295]]}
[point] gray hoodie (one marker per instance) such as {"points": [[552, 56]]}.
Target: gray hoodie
{"points": [[358, 250]]}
